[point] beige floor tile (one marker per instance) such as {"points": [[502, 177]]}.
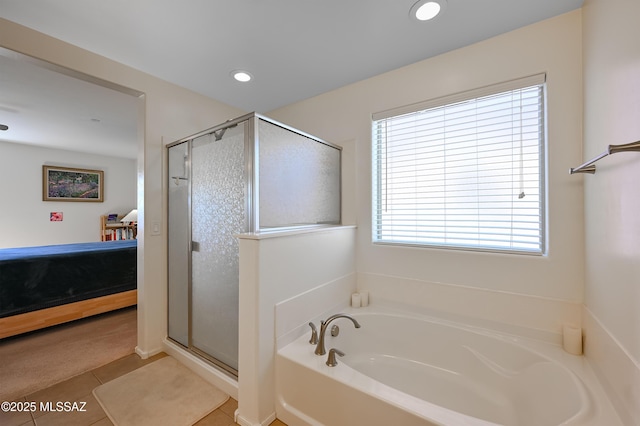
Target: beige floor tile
{"points": [[103, 422], [78, 389], [123, 366], [216, 418], [69, 390], [16, 418], [229, 407], [92, 413]]}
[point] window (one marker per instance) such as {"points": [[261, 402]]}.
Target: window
{"points": [[465, 171]]}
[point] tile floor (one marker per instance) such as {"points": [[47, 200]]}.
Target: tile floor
{"points": [[79, 388]]}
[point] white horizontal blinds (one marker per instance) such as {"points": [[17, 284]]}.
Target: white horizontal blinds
{"points": [[465, 174]]}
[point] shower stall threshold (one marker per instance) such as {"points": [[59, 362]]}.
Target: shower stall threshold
{"points": [[212, 374]]}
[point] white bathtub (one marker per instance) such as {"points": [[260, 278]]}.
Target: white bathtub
{"points": [[408, 370]]}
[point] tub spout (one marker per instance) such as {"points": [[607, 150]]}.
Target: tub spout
{"points": [[320, 350]]}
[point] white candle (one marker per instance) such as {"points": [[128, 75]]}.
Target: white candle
{"points": [[355, 300], [364, 298]]}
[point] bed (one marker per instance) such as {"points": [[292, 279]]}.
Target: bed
{"points": [[49, 285]]}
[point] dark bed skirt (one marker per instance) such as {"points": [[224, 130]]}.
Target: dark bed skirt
{"points": [[34, 278]]}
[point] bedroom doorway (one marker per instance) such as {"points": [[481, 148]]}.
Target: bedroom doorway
{"points": [[63, 117]]}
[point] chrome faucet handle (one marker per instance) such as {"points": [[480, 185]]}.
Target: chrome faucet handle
{"points": [[314, 334], [331, 359]]}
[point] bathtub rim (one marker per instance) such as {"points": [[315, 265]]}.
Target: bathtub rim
{"points": [[529, 345], [590, 391], [353, 379]]}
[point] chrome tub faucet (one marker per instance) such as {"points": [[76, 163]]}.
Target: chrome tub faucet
{"points": [[320, 350]]}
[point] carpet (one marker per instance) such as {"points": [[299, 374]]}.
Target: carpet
{"points": [[37, 360], [161, 393]]}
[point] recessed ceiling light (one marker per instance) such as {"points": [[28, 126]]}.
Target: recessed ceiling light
{"points": [[425, 10], [242, 76]]}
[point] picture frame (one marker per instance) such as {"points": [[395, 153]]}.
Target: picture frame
{"points": [[71, 184]]}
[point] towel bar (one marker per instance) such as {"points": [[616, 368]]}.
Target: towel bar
{"points": [[590, 167]]}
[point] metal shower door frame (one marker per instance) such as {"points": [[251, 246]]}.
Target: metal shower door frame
{"points": [[252, 192]]}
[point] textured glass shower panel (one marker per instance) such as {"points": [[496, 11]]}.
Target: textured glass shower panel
{"points": [[299, 179], [179, 233], [218, 213]]}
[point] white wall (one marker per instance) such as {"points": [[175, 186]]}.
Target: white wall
{"points": [[167, 113], [612, 197], [286, 280], [24, 217], [552, 46]]}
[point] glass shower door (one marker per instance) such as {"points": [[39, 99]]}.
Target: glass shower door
{"points": [[218, 213], [179, 243]]}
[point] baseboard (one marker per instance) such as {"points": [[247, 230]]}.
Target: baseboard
{"points": [[147, 354], [618, 373], [244, 422]]}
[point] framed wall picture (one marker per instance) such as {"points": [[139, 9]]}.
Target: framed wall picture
{"points": [[68, 184]]}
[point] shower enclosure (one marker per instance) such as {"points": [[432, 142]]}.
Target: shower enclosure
{"points": [[251, 174]]}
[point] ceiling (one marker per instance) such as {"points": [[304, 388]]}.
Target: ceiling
{"points": [[295, 49], [47, 106]]}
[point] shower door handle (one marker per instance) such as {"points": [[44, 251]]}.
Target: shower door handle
{"points": [[195, 246]]}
